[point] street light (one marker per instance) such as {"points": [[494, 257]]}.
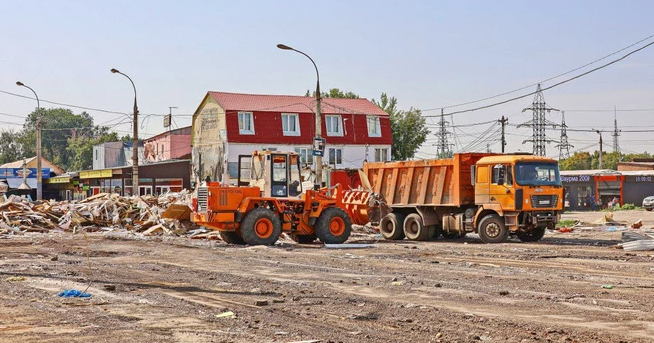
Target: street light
{"points": [[39, 174], [318, 159], [135, 140]]}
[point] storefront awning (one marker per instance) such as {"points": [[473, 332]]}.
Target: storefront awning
{"points": [[16, 182]]}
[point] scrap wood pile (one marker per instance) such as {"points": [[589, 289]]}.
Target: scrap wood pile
{"points": [[104, 210]]}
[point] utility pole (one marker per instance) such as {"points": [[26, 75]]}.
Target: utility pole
{"points": [[318, 140], [503, 122], [170, 118], [616, 133], [443, 147], [600, 152], [135, 139], [538, 123], [564, 146]]}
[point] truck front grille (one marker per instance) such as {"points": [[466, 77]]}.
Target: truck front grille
{"points": [[544, 201], [203, 194]]}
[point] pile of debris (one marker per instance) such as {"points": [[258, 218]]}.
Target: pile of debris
{"points": [[105, 210], [633, 241]]}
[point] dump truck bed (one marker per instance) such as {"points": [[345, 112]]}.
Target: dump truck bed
{"points": [[437, 182]]}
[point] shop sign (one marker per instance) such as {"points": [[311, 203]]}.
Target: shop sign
{"points": [[30, 173], [639, 178], [575, 178], [59, 180], [95, 174]]}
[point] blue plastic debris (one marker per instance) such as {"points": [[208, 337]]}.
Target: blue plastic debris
{"points": [[73, 293]]}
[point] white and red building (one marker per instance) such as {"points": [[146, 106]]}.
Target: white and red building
{"points": [[354, 129]]}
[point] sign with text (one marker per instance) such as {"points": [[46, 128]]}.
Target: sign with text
{"points": [[95, 174], [18, 173], [575, 178]]}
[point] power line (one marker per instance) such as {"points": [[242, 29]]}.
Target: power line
{"points": [[543, 81], [552, 86]]}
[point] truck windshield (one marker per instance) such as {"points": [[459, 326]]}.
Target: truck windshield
{"points": [[537, 174]]}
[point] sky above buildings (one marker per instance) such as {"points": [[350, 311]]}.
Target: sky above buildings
{"points": [[428, 54]]}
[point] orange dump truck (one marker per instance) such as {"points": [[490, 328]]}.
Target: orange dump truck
{"points": [[490, 194]]}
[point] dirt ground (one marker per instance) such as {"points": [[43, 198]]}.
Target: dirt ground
{"points": [[570, 287]]}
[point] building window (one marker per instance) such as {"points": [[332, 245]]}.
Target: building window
{"points": [[335, 156], [381, 155], [306, 155], [334, 125], [374, 129], [162, 151], [290, 124], [245, 123]]}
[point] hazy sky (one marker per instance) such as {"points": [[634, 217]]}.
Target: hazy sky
{"points": [[427, 54]]}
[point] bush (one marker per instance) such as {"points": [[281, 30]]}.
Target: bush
{"points": [[565, 223], [627, 207]]}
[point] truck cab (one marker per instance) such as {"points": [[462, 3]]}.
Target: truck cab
{"points": [[524, 190]]}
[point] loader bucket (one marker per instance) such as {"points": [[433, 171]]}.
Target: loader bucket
{"points": [[177, 211], [363, 207]]}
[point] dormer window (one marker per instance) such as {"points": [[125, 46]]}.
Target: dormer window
{"points": [[290, 124], [245, 123], [334, 125], [374, 128]]}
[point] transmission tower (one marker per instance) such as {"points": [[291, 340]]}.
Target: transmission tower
{"points": [[616, 132], [539, 122], [443, 147], [564, 146]]}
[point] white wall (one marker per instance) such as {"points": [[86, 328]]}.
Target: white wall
{"points": [[352, 155]]}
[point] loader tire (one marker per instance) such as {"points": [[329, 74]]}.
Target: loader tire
{"points": [[533, 235], [390, 226], [231, 237], [303, 239], [333, 226], [492, 229], [414, 229], [261, 227]]}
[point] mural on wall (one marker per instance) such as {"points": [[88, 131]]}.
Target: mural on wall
{"points": [[209, 136]]}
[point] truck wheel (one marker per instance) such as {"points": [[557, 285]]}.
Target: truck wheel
{"points": [[333, 226], [414, 228], [261, 227], [390, 226], [492, 229], [303, 239], [231, 237], [533, 235]]}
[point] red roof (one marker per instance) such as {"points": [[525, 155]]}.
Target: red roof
{"points": [[293, 104]]}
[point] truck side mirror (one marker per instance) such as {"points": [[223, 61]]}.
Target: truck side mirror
{"points": [[473, 172]]}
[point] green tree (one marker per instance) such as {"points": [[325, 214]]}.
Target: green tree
{"points": [[580, 160], [66, 138], [11, 148], [80, 150], [408, 128], [334, 93]]}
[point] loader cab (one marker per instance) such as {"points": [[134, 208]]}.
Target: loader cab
{"points": [[277, 174]]}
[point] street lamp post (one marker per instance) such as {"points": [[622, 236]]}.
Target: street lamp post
{"points": [[318, 158], [135, 140], [39, 173]]}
